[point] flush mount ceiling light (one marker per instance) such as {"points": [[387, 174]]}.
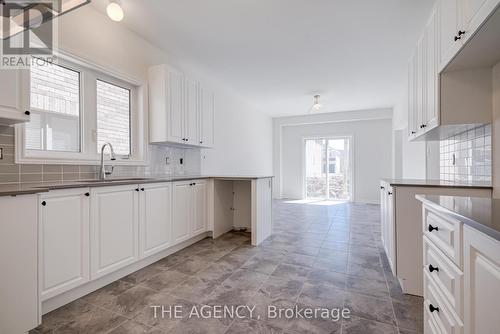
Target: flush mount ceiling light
{"points": [[316, 105], [114, 11]]}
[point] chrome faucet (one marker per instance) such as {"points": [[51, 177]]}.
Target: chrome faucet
{"points": [[102, 172]]}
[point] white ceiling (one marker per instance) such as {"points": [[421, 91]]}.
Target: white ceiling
{"points": [[278, 53]]}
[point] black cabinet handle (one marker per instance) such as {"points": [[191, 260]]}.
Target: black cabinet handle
{"points": [[142, 189], [456, 38], [382, 187], [27, 112], [413, 132], [432, 308], [194, 184], [461, 32], [201, 141], [389, 193], [44, 203], [431, 268], [137, 189], [432, 228], [87, 194]]}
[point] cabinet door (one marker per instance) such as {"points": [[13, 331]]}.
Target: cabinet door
{"points": [[474, 13], [19, 311], [13, 101], [432, 77], [191, 115], [200, 207], [420, 74], [449, 25], [182, 211], [155, 209], [481, 282], [175, 105], [207, 114], [114, 228], [412, 109], [64, 241]]}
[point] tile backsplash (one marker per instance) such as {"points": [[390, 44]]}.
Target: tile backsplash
{"points": [[10, 172], [466, 157]]}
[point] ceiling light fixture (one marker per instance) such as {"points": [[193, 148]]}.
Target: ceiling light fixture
{"points": [[115, 11], [316, 105]]}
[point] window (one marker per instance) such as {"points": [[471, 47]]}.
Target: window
{"points": [[75, 109], [113, 117], [55, 108]]}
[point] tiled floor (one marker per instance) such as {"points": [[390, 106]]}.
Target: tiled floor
{"points": [[319, 256]]}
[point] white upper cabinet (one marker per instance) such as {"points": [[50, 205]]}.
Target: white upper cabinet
{"points": [[449, 25], [459, 20], [191, 115], [155, 208], [474, 13], [14, 97], [431, 106], [180, 111], [423, 108], [207, 114], [114, 228], [64, 241]]}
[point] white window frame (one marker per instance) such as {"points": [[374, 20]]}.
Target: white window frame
{"points": [[89, 152]]}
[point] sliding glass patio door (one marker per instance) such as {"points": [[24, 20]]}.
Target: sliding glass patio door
{"points": [[328, 170]]}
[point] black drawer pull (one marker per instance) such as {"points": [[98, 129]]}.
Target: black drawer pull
{"points": [[432, 308], [432, 228], [44, 203], [137, 189], [142, 189], [27, 113], [431, 268], [389, 193], [382, 188], [87, 194]]}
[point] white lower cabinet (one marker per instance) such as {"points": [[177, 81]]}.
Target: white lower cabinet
{"points": [[387, 220], [481, 282], [19, 311], [155, 227], [64, 241], [200, 208], [114, 228], [189, 209]]}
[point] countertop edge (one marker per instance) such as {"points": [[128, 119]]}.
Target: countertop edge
{"points": [[42, 188], [414, 183], [467, 221]]}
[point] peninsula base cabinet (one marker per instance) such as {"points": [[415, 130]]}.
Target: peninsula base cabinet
{"points": [[481, 282], [63, 254], [19, 303]]}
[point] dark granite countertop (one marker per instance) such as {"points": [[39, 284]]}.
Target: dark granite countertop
{"points": [[436, 183], [35, 188], [482, 214]]}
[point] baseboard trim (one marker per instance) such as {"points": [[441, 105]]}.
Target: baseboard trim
{"points": [[69, 296]]}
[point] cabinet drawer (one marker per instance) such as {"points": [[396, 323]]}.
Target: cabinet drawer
{"points": [[446, 233], [445, 274], [438, 311]]}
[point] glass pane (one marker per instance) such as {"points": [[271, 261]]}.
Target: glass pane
{"points": [[315, 168], [55, 109], [339, 175], [113, 117]]}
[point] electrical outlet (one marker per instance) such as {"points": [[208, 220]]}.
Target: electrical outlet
{"points": [[167, 160]]}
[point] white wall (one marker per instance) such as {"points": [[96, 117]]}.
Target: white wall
{"points": [[243, 137], [372, 133]]}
